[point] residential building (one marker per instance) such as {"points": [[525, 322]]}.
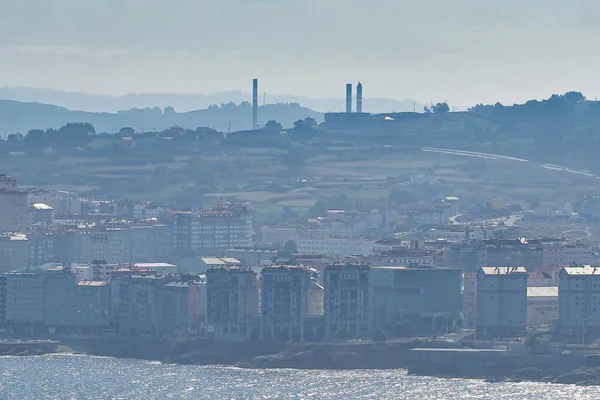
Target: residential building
{"points": [[542, 305], [501, 301], [140, 307], [467, 256], [515, 253], [316, 299], [231, 301], [579, 300], [41, 247], [175, 318], [14, 251], [14, 215], [112, 245], [540, 278], [348, 301], [563, 254], [2, 299], [470, 298], [284, 301], [162, 268], [60, 308], [41, 214], [93, 304], [415, 291], [25, 297], [252, 257], [206, 232], [103, 271], [400, 256], [340, 247]]}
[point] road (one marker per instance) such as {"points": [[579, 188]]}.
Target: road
{"points": [[490, 156]]}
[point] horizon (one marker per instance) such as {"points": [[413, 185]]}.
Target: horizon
{"points": [[465, 52]]}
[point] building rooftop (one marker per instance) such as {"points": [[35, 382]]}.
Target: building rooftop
{"points": [[543, 291], [154, 265], [582, 270], [92, 283], [41, 206], [503, 270], [212, 261]]}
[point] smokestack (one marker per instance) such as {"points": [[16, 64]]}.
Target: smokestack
{"points": [[255, 103], [359, 97], [348, 97]]}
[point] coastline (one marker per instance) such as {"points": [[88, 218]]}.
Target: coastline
{"points": [[548, 368]]}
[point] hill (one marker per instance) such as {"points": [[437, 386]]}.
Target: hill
{"points": [[185, 101], [21, 117]]}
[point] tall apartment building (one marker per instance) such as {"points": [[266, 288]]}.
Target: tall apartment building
{"points": [[140, 307], [415, 291], [348, 300], [231, 301], [14, 252], [25, 297], [284, 302], [501, 301], [210, 232], [14, 211], [579, 300]]}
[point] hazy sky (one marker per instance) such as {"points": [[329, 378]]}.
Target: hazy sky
{"points": [[465, 51]]}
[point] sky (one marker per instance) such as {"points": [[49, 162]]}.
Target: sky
{"points": [[462, 51]]}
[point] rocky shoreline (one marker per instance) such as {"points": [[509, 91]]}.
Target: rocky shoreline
{"points": [[353, 355]]}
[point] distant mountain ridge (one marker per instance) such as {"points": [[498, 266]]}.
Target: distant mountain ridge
{"points": [[20, 117], [183, 102]]}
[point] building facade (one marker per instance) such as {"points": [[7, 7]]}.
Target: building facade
{"points": [[14, 211], [348, 301], [231, 302], [501, 301], [579, 300], [542, 305], [284, 302]]}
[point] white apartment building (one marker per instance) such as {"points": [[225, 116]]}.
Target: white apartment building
{"points": [[341, 247], [579, 300], [212, 231], [501, 301]]}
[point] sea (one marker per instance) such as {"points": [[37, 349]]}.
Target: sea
{"points": [[84, 377]]}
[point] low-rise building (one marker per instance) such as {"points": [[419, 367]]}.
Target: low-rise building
{"points": [[542, 305], [501, 301]]}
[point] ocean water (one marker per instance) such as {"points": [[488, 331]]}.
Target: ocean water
{"points": [[84, 377]]}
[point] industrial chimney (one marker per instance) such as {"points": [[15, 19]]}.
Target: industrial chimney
{"points": [[348, 97], [255, 103], [359, 97]]}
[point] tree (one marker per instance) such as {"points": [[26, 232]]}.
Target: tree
{"points": [[14, 137], [440, 108], [573, 97], [290, 247], [126, 131], [306, 124], [73, 134], [36, 139], [273, 126]]}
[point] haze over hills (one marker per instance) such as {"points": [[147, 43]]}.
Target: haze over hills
{"points": [[184, 102], [20, 117]]}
